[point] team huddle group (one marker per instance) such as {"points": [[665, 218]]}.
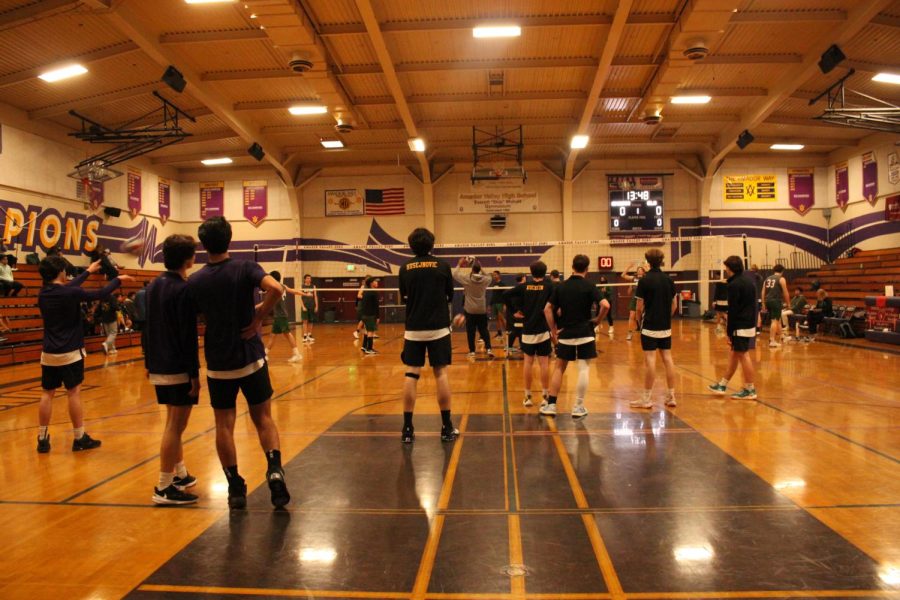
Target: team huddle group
{"points": [[558, 318]]}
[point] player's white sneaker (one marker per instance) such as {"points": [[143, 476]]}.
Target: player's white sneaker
{"points": [[527, 403], [579, 411], [670, 401], [548, 409], [641, 403], [297, 357]]}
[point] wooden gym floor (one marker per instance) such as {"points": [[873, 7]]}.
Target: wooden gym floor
{"points": [[796, 495]]}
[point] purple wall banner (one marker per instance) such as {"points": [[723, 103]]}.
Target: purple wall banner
{"points": [[870, 178], [165, 199], [892, 208], [212, 199], [256, 201], [842, 185], [93, 190], [134, 192], [801, 189]]}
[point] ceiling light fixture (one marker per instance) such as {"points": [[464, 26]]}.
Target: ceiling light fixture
{"points": [[496, 31], [308, 109], [416, 144], [332, 144], [887, 78], [691, 99], [786, 147], [579, 141], [61, 73], [211, 162]]}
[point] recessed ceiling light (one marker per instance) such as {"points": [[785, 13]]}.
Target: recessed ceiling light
{"points": [[210, 162], [209, 2], [887, 78], [308, 109], [691, 99], [63, 73], [786, 147], [579, 141], [416, 144], [495, 31], [331, 144]]}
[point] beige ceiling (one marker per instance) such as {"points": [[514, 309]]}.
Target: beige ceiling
{"points": [[415, 67]]}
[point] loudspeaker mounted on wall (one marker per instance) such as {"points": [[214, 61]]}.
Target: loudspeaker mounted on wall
{"points": [[831, 58], [256, 151], [745, 139], [110, 211], [174, 79], [498, 221]]}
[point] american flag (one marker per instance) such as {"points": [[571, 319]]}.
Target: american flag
{"points": [[385, 202]]}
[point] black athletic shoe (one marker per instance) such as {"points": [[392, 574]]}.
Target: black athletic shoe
{"points": [[278, 488], [184, 482], [44, 445], [407, 435], [85, 442], [449, 434], [237, 494], [173, 495]]}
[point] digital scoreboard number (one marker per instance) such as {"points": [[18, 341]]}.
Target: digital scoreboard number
{"points": [[636, 210]]}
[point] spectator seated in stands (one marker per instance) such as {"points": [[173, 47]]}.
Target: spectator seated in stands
{"points": [[796, 314], [819, 312], [8, 285]]}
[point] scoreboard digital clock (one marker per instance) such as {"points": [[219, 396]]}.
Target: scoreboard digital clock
{"points": [[636, 210]]}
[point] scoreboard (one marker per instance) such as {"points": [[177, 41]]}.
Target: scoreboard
{"points": [[636, 210]]}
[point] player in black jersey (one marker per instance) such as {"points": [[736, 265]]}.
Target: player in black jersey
{"points": [[513, 323], [568, 315], [426, 287], [532, 297]]}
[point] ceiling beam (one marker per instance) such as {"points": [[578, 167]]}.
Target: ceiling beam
{"points": [[203, 138], [34, 11], [128, 22], [200, 37], [793, 77], [88, 57], [250, 74], [886, 21], [393, 82], [523, 21], [610, 46], [788, 16], [94, 101]]}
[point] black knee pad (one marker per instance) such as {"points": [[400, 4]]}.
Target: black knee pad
{"points": [[412, 375]]}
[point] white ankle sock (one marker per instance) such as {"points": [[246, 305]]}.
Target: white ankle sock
{"points": [[723, 382], [180, 470], [79, 432], [645, 395], [42, 432], [671, 392], [165, 480]]}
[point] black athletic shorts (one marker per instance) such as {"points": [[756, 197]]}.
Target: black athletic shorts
{"points": [[742, 344], [256, 388], [721, 306], [540, 349], [440, 353], [648, 344], [175, 395], [583, 351], [70, 375]]}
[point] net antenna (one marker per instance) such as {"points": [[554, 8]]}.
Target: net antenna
{"points": [[882, 116], [498, 154]]}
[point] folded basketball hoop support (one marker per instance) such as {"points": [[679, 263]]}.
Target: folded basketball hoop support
{"points": [[130, 139], [876, 118], [491, 150]]}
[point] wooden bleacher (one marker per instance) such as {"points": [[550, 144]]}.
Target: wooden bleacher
{"points": [[23, 343], [849, 280]]}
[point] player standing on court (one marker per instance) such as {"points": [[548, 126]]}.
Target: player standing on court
{"points": [[533, 297], [741, 330], [775, 298], [281, 325], [656, 303]]}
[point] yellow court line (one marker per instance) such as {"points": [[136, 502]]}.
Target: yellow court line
{"points": [[426, 565], [603, 559], [768, 594], [202, 589], [585, 596], [515, 470], [516, 557]]}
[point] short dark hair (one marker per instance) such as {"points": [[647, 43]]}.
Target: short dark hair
{"points": [[496, 272], [554, 273], [655, 257], [215, 235], [177, 249], [779, 268], [4, 256], [421, 241], [51, 267], [275, 275], [520, 278], [580, 263], [538, 269], [368, 281], [476, 267], [735, 264], [307, 275]]}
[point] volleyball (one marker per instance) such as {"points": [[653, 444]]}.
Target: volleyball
{"points": [[459, 320], [132, 245]]}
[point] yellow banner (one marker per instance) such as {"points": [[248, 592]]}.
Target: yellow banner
{"points": [[749, 188]]}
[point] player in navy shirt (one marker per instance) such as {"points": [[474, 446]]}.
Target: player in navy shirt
{"points": [[741, 328], [173, 367], [62, 358], [223, 291], [655, 306], [532, 297]]}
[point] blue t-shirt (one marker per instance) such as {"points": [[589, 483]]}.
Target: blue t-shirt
{"points": [[224, 293]]}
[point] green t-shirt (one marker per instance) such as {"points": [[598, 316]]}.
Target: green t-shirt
{"points": [[280, 309], [798, 303]]}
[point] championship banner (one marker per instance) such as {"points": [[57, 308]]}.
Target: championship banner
{"points": [[256, 201], [801, 189], [134, 192], [165, 199], [497, 202], [344, 203], [870, 178], [750, 188], [842, 185], [893, 168], [93, 190], [212, 199], [634, 182], [892, 208]]}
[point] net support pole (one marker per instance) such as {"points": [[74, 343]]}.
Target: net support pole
{"points": [[746, 252], [568, 203]]}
